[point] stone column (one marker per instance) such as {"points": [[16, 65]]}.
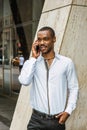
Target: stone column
{"points": [[74, 45]]}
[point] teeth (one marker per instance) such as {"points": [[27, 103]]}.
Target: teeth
{"points": [[42, 47]]}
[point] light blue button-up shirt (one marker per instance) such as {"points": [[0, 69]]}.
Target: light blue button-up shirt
{"points": [[58, 92]]}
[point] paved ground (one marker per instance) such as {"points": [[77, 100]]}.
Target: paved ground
{"points": [[7, 106]]}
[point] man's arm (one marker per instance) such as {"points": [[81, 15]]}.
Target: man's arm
{"points": [[28, 69], [72, 96], [72, 88], [27, 72]]}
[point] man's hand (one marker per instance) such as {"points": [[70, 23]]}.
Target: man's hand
{"points": [[35, 53], [62, 117]]}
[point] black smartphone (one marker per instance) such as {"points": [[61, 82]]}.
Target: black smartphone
{"points": [[37, 48]]}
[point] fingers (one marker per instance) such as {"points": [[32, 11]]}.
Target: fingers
{"points": [[62, 117], [59, 115], [61, 120], [35, 53]]}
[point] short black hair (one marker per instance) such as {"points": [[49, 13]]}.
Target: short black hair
{"points": [[49, 29]]}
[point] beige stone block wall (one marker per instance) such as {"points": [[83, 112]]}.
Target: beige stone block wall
{"points": [[55, 4], [70, 24], [74, 45], [80, 2]]}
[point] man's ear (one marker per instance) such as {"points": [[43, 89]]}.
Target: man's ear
{"points": [[54, 39]]}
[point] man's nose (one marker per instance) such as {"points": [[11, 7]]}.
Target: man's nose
{"points": [[42, 42]]}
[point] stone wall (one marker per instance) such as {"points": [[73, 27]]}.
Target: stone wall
{"points": [[74, 46], [69, 20]]}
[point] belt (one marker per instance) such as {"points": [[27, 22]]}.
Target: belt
{"points": [[43, 115]]}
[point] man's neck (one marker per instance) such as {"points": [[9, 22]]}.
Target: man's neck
{"points": [[49, 55]]}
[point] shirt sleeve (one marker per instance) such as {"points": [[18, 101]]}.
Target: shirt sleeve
{"points": [[72, 88], [27, 72]]}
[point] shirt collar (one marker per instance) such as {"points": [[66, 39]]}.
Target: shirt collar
{"points": [[57, 55], [42, 58]]}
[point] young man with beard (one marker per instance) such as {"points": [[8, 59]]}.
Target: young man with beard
{"points": [[54, 88]]}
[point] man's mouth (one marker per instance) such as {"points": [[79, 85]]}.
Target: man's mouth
{"points": [[43, 48]]}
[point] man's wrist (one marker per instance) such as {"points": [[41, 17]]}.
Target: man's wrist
{"points": [[67, 114]]}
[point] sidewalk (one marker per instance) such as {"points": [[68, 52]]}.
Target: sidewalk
{"points": [[7, 107]]}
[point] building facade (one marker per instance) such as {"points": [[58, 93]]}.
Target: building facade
{"points": [[18, 23]]}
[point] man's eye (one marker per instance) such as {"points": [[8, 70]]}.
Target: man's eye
{"points": [[46, 39], [39, 40]]}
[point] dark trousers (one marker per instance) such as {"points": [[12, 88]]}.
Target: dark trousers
{"points": [[20, 67], [40, 122]]}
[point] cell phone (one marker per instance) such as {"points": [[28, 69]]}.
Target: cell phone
{"points": [[37, 48]]}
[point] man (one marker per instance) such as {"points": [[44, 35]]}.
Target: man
{"points": [[54, 88], [21, 62]]}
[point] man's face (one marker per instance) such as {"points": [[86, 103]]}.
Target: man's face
{"points": [[46, 41]]}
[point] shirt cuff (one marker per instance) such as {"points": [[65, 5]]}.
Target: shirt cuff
{"points": [[68, 110]]}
